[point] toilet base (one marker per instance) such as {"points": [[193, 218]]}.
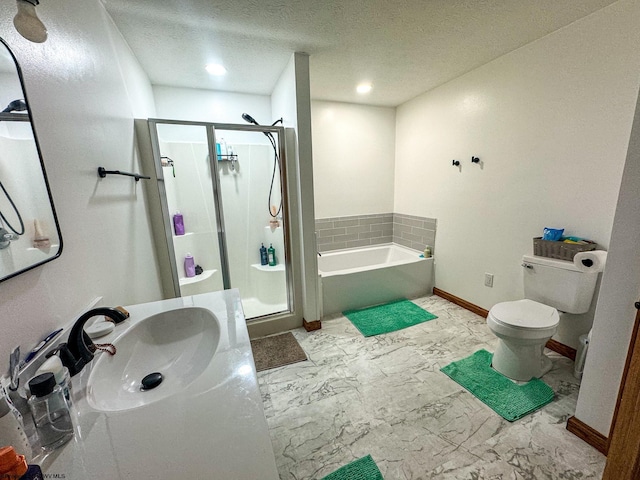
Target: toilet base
{"points": [[521, 362]]}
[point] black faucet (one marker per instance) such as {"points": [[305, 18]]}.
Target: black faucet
{"points": [[79, 349]]}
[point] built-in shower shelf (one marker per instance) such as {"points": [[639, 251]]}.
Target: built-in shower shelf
{"points": [[267, 268], [186, 234], [198, 278]]}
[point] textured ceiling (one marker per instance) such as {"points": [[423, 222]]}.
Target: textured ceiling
{"points": [[404, 47]]}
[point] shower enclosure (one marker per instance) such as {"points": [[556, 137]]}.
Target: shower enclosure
{"points": [[222, 196]]}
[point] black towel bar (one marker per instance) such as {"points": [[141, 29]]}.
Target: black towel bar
{"points": [[103, 173]]}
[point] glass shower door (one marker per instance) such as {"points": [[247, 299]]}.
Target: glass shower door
{"points": [[225, 208], [254, 217], [192, 210]]}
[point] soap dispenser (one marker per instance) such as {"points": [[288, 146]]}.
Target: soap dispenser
{"points": [[50, 412]]}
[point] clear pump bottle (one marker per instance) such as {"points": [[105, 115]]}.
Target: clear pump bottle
{"points": [[50, 412]]}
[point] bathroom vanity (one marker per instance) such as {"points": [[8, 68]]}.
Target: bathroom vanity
{"points": [[205, 420]]}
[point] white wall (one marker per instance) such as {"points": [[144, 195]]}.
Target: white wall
{"points": [[615, 313], [550, 122], [80, 94], [353, 158], [291, 101], [212, 106]]}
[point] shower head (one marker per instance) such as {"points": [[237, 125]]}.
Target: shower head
{"points": [[249, 119], [15, 106]]}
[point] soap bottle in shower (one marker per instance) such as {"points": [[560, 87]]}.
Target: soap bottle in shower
{"points": [[178, 223], [224, 150], [264, 259], [189, 266], [272, 255]]}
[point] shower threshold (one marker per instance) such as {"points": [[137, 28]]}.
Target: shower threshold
{"points": [[253, 308]]}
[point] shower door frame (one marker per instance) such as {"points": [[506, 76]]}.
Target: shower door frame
{"points": [[211, 128]]}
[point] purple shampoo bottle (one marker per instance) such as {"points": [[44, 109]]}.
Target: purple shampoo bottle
{"points": [[189, 265], [178, 223]]}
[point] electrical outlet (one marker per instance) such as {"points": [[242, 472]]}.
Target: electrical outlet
{"points": [[488, 279]]}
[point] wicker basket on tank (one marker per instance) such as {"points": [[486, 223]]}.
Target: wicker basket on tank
{"points": [[560, 250]]}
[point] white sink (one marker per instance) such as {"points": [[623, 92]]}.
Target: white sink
{"points": [[179, 344], [189, 426]]}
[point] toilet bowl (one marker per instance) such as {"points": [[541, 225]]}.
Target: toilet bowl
{"points": [[523, 327]]}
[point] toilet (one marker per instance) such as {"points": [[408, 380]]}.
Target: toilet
{"points": [[524, 326]]}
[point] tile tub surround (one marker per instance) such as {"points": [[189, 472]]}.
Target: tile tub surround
{"points": [[385, 396], [414, 232], [355, 231], [364, 230]]}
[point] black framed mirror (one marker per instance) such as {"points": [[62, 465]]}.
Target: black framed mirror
{"points": [[29, 231]]}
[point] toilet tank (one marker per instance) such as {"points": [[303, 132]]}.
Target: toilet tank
{"points": [[558, 283]]}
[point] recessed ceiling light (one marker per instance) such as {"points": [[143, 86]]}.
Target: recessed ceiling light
{"points": [[364, 88], [216, 69]]}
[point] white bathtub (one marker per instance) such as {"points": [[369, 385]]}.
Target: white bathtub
{"points": [[356, 278]]}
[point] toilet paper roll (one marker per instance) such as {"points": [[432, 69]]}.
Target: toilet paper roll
{"points": [[593, 261]]}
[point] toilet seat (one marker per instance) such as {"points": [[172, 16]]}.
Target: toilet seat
{"points": [[525, 314], [523, 319]]}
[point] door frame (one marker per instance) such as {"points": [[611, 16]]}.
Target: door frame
{"points": [[623, 457]]}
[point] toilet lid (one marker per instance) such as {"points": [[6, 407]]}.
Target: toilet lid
{"points": [[525, 314]]}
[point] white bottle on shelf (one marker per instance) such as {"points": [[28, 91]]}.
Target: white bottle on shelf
{"points": [[224, 149]]}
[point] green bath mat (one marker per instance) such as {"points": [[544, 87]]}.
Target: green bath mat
{"points": [[362, 469], [508, 399], [388, 317]]}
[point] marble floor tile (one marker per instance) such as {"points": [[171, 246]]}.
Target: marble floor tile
{"points": [[385, 396]]}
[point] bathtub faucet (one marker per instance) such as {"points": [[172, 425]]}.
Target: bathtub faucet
{"points": [[79, 349], [319, 254]]}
